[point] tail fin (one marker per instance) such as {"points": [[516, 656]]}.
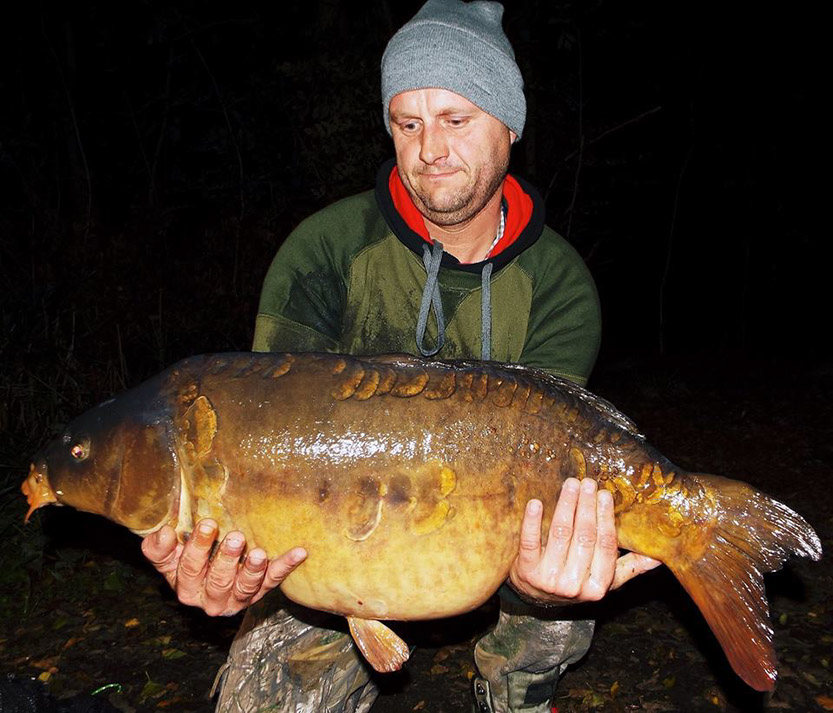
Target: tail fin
{"points": [[750, 534]]}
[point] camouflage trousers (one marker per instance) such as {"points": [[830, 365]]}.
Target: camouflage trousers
{"points": [[288, 659]]}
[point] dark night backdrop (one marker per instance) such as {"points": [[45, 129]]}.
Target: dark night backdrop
{"points": [[153, 156]]}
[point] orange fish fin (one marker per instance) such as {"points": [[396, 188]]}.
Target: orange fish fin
{"points": [[383, 649], [752, 534]]}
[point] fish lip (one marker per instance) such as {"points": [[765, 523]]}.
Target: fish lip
{"points": [[37, 490]]}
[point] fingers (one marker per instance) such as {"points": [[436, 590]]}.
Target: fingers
{"points": [[529, 551], [163, 550], [192, 564], [582, 545], [159, 547], [562, 526], [630, 565], [606, 551], [279, 569], [249, 579], [218, 584], [222, 574]]}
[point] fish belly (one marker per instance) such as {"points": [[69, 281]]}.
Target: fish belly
{"points": [[386, 557]]}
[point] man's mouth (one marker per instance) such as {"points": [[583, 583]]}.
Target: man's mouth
{"points": [[440, 173]]}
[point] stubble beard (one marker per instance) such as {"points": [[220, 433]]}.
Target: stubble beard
{"points": [[463, 204]]}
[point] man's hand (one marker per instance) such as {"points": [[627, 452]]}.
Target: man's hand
{"points": [[220, 585], [580, 562]]}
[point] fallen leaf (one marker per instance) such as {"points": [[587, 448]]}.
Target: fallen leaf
{"points": [[614, 688], [114, 582], [169, 702], [419, 706], [151, 690], [438, 669], [594, 700], [45, 664], [825, 702], [159, 641], [172, 654], [810, 677], [130, 623], [45, 676], [578, 692]]}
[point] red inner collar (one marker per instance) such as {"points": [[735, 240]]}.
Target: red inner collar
{"points": [[517, 217]]}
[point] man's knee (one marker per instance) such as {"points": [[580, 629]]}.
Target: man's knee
{"points": [[283, 663], [521, 660]]}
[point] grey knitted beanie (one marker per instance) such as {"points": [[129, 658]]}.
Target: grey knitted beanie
{"points": [[461, 47]]}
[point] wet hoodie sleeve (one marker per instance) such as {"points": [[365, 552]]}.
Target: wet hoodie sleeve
{"points": [[302, 300]]}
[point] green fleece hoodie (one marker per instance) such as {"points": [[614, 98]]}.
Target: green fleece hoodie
{"points": [[350, 279]]}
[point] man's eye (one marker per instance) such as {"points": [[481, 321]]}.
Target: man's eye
{"points": [[410, 127], [457, 123]]}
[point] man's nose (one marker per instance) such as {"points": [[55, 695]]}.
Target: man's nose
{"points": [[434, 145]]}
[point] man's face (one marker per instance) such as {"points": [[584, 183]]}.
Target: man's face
{"points": [[452, 156]]}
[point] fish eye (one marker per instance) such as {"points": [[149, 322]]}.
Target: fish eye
{"points": [[80, 450]]}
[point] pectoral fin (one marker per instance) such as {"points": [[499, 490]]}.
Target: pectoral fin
{"points": [[383, 649]]}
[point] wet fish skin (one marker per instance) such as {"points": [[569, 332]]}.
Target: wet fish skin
{"points": [[406, 481]]}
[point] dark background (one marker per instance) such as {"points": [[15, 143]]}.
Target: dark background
{"points": [[153, 156]]}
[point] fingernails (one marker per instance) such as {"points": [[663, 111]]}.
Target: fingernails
{"points": [[234, 542], [206, 528], [588, 485], [571, 485], [255, 559], [533, 507], [605, 498]]}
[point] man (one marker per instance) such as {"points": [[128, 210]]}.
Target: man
{"points": [[448, 257]]}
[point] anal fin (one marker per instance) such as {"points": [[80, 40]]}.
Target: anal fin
{"points": [[383, 649]]}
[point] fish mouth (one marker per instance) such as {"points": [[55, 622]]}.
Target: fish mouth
{"points": [[37, 490]]}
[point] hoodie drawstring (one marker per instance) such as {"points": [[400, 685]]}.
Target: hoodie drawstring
{"points": [[486, 312], [431, 298], [432, 258]]}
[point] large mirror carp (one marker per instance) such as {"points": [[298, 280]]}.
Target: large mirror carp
{"points": [[406, 481]]}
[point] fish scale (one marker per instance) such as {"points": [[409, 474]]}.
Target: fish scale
{"points": [[406, 482]]}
